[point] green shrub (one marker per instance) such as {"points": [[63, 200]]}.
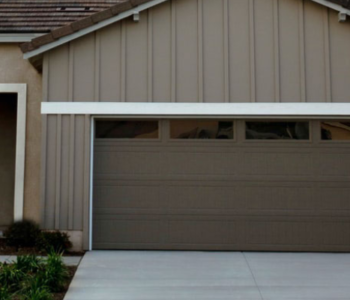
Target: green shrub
{"points": [[35, 289], [55, 273], [56, 240], [28, 263], [5, 293], [11, 277], [22, 234]]}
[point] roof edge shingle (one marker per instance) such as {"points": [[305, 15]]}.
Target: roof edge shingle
{"points": [[80, 24]]}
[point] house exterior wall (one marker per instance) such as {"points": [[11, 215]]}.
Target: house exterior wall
{"points": [[185, 51], [14, 69]]}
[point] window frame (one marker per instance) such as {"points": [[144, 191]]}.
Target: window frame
{"points": [[158, 139], [275, 141], [198, 141]]}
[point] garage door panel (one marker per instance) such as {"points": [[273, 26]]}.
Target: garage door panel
{"points": [[276, 163], [128, 163], [333, 164], [199, 163], [279, 198], [221, 195]]}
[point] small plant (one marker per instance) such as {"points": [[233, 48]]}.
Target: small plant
{"points": [[10, 277], [35, 289], [28, 263], [55, 273], [5, 293], [56, 240], [22, 234]]}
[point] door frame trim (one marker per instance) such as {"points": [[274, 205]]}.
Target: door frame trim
{"points": [[21, 91]]}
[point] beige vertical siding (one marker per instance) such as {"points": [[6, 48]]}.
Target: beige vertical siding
{"points": [[186, 51], [210, 51]]}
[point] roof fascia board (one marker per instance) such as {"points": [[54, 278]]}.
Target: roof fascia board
{"points": [[333, 6], [18, 37], [92, 28]]}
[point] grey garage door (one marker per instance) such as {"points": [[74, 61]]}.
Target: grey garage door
{"points": [[221, 185]]}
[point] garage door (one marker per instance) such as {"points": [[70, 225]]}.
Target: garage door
{"points": [[221, 185]]}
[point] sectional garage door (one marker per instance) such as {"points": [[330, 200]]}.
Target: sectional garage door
{"points": [[221, 185]]}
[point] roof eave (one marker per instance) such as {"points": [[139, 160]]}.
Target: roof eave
{"points": [[94, 27], [343, 12]]}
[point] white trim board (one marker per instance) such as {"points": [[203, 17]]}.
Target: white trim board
{"points": [[21, 91], [333, 6], [238, 110], [92, 28], [18, 37]]}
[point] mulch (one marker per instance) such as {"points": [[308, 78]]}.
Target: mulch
{"points": [[8, 251]]}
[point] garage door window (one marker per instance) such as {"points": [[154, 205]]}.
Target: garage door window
{"points": [[268, 130], [201, 129], [337, 131], [125, 129]]}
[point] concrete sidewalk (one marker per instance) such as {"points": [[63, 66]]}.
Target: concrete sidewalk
{"points": [[68, 260], [152, 275]]}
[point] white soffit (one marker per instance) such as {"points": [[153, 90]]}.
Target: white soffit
{"points": [[92, 28], [122, 109]]}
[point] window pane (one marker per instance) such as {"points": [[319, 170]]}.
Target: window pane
{"points": [[335, 131], [277, 130], [111, 129], [199, 129]]}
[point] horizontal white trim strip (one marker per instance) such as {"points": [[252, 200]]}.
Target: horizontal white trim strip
{"points": [[18, 37], [198, 109], [92, 28]]}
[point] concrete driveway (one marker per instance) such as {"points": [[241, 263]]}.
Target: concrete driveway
{"points": [[151, 275]]}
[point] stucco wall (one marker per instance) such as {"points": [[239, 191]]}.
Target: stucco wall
{"points": [[14, 69]]}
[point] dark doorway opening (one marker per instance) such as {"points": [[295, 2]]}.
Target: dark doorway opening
{"points": [[8, 124]]}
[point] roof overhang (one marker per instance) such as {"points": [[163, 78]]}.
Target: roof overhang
{"points": [[18, 37], [343, 12], [97, 26]]}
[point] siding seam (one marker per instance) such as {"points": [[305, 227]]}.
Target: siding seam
{"points": [[70, 71], [58, 171], [150, 57], [71, 172], [226, 51], [302, 52], [123, 63], [277, 51], [97, 67], [327, 56], [252, 51], [200, 51], [173, 51]]}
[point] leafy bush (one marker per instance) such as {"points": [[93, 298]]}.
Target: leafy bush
{"points": [[35, 289], [22, 234], [5, 293], [28, 263], [55, 273], [10, 277], [56, 240]]}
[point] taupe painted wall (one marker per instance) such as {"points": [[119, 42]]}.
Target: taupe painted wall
{"points": [[8, 118], [185, 51], [14, 69]]}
